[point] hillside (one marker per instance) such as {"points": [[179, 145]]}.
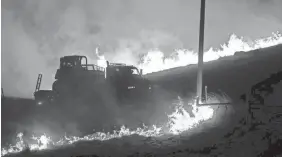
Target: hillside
{"points": [[233, 75]]}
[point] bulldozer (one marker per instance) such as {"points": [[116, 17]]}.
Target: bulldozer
{"points": [[77, 79]]}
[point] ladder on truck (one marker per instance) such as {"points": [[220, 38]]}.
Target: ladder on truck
{"points": [[38, 83]]}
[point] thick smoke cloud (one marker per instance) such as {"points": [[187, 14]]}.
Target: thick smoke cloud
{"points": [[35, 33]]}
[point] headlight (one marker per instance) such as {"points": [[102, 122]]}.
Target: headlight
{"points": [[39, 103], [131, 87]]}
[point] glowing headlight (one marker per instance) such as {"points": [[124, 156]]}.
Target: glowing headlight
{"points": [[131, 87]]}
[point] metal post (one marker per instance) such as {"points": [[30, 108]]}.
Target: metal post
{"points": [[201, 53]]}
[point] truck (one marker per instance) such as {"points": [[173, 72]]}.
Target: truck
{"points": [[77, 79]]}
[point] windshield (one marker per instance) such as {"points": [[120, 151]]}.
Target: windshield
{"points": [[126, 70], [134, 71], [67, 64], [70, 62]]}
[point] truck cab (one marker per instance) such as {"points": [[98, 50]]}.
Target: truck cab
{"points": [[75, 65], [128, 80], [75, 73]]}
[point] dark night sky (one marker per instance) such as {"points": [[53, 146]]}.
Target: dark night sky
{"points": [[36, 32]]}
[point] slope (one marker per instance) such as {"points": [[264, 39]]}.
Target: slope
{"points": [[233, 75]]}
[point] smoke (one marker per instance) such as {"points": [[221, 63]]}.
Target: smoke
{"points": [[21, 61], [267, 9], [37, 32]]}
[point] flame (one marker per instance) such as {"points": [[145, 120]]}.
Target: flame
{"points": [[155, 60], [180, 120], [102, 62]]}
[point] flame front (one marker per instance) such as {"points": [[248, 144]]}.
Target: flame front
{"points": [[182, 120], [154, 60], [179, 121]]}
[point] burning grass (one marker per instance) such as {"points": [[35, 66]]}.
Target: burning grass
{"points": [[184, 117]]}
